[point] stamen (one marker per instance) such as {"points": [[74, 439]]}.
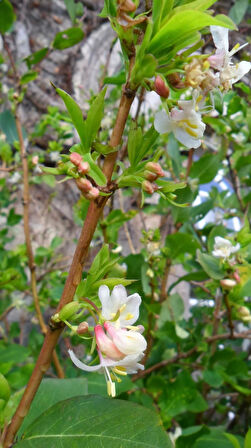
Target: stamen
{"points": [[120, 370], [122, 308]]}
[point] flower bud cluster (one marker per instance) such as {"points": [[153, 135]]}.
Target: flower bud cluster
{"points": [[84, 185], [152, 171]]}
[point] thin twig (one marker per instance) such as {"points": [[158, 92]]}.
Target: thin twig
{"points": [[166, 362], [229, 314]]}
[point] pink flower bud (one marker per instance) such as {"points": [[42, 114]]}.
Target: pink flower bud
{"points": [[35, 160], [92, 194], [127, 5], [148, 187], [83, 167], [161, 88], [228, 283], [155, 168], [105, 344], [148, 175], [83, 328], [75, 158], [84, 185]]}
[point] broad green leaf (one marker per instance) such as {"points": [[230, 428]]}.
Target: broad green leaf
{"points": [[248, 439], [213, 378], [8, 126], [233, 440], [238, 11], [96, 384], [109, 9], [96, 422], [181, 243], [134, 143], [189, 435], [200, 5], [146, 145], [206, 168], [50, 392], [211, 265], [181, 332], [75, 113], [111, 282], [4, 390], [7, 16], [67, 38], [171, 310], [216, 439], [13, 354], [180, 26], [36, 57], [28, 77]]}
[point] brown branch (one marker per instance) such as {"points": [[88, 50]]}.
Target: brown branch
{"points": [[229, 315], [6, 312], [75, 274], [166, 362]]}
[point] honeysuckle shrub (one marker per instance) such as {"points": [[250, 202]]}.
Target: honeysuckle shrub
{"points": [[174, 360]]}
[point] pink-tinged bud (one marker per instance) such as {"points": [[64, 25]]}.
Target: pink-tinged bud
{"points": [[161, 88], [237, 277], [148, 175], [35, 160], [83, 167], [92, 194], [105, 344], [83, 328], [228, 283], [148, 187], [155, 168], [84, 185], [75, 158]]}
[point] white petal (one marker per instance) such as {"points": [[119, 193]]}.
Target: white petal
{"points": [[241, 70], [118, 297], [220, 37], [131, 313], [186, 139], [219, 241], [129, 342], [105, 299], [162, 122], [81, 365], [235, 248]]}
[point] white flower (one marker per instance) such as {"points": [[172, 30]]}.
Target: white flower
{"points": [[15, 178], [223, 248], [185, 123], [118, 302], [229, 73]]}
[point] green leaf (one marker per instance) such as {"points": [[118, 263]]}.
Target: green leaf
{"points": [[206, 168], [75, 113], [213, 378], [67, 38], [238, 11], [95, 172], [216, 439], [248, 439], [181, 243], [189, 435], [74, 9], [94, 117], [161, 9], [111, 282], [50, 392], [180, 26], [233, 440], [8, 126], [13, 218], [28, 77], [13, 353], [211, 265], [7, 16], [171, 310], [36, 57], [111, 424]]}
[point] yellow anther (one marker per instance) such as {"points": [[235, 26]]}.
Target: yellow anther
{"points": [[111, 389], [129, 316], [236, 47], [191, 125], [190, 132], [120, 370], [206, 65], [132, 327]]}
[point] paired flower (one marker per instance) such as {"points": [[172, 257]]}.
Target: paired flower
{"points": [[223, 248], [185, 123], [222, 59], [120, 345]]}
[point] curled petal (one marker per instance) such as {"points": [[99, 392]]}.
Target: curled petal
{"points": [[220, 37], [131, 313], [241, 70], [127, 342], [81, 365], [106, 345], [162, 123]]}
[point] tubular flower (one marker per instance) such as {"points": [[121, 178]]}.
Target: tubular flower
{"points": [[221, 60], [120, 345], [185, 123], [223, 248]]}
